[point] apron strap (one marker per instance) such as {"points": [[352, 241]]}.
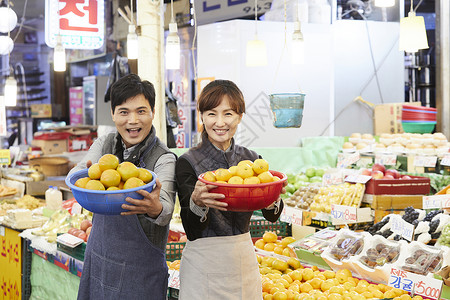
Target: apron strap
{"points": [[141, 159]]}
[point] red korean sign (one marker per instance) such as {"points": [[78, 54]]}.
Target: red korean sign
{"points": [[81, 23]]}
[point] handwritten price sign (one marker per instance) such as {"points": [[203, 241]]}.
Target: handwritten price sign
{"points": [[445, 161], [421, 285], [292, 216], [174, 279], [425, 161], [358, 178], [403, 228], [348, 160], [436, 201], [342, 214], [386, 159], [333, 178]]}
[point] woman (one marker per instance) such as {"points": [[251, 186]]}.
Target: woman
{"points": [[219, 260]]}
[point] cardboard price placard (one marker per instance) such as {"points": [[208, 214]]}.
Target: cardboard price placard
{"points": [[292, 216], [386, 159], [419, 284], [425, 161], [333, 178], [358, 178], [436, 201], [445, 161], [341, 214], [403, 228], [174, 279], [349, 160]]}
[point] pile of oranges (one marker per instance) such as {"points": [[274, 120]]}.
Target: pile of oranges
{"points": [[270, 242], [109, 175], [245, 172]]}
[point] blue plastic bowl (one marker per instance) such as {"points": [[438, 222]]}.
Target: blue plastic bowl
{"points": [[418, 127], [104, 202]]}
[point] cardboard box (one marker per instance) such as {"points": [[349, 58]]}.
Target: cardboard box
{"points": [[417, 185], [45, 110], [393, 202], [387, 118], [81, 142], [50, 146]]}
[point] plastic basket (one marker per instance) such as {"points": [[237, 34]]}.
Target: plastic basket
{"points": [[258, 227], [76, 252], [418, 127], [26, 269], [104, 202], [287, 109], [173, 250]]}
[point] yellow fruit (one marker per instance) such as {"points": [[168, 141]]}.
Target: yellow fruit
{"points": [[252, 180], [127, 170], [326, 285], [307, 274], [244, 171], [223, 174], [294, 287], [278, 250], [287, 240], [269, 246], [329, 274], [335, 296], [260, 165], [121, 185], [236, 180], [345, 271], [95, 185], [276, 178], [279, 264], [133, 182], [316, 283], [296, 275], [389, 294], [306, 287], [269, 237], [108, 161], [110, 178], [268, 297], [341, 277], [113, 188], [81, 183], [348, 285], [94, 171], [280, 295], [258, 258], [267, 286], [294, 263], [245, 162], [233, 170], [286, 252], [287, 278], [378, 294], [209, 176], [265, 177], [145, 175], [337, 289], [361, 288], [260, 244]]}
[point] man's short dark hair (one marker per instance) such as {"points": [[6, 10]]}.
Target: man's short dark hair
{"points": [[130, 86]]}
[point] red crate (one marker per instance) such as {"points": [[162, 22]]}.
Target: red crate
{"points": [[416, 186]]}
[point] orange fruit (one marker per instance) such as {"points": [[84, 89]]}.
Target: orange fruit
{"points": [[121, 185], [294, 263], [260, 244], [223, 174], [94, 171], [145, 175], [209, 176], [233, 170], [245, 162], [133, 182], [95, 185], [265, 177], [260, 165], [244, 171], [269, 246], [108, 161], [113, 188], [278, 250], [280, 265], [280, 295], [236, 180], [269, 237], [287, 240], [110, 178], [127, 170], [252, 180], [81, 183]]}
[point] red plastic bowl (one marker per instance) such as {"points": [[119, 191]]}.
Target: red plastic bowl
{"points": [[249, 197]]}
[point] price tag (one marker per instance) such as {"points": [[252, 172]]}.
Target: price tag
{"points": [[435, 201], [291, 215], [421, 285], [5, 157], [358, 178], [425, 161], [403, 228], [174, 280], [349, 160], [69, 240], [307, 217], [341, 214], [446, 202], [332, 178], [445, 161], [386, 159]]}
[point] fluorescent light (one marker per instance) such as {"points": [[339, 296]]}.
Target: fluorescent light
{"points": [[10, 91], [384, 3], [173, 49], [132, 43], [298, 45], [413, 36], [256, 53], [59, 56]]}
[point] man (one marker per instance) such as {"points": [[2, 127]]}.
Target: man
{"points": [[125, 255]]}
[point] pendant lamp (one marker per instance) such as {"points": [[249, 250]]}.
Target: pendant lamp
{"points": [[256, 51], [413, 35], [8, 18], [10, 91], [298, 45], [132, 43], [59, 56], [173, 48]]}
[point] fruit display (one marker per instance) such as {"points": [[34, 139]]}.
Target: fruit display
{"points": [[109, 175], [316, 242], [303, 197], [349, 194], [245, 172], [422, 259], [444, 239], [270, 242], [173, 265], [83, 232]]}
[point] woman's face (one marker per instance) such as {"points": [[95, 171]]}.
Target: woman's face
{"points": [[221, 123]]}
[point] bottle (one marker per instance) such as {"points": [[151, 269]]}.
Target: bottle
{"points": [[53, 198]]}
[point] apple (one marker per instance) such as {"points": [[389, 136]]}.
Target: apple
{"points": [[377, 175], [378, 167], [405, 177], [366, 172], [392, 172], [388, 176]]}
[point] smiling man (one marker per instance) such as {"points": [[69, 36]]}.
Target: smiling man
{"points": [[125, 255]]}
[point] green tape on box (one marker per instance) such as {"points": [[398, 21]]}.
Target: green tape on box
{"points": [[311, 259]]}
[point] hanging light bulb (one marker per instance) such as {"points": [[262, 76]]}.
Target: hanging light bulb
{"points": [[132, 43], [298, 45], [59, 56], [384, 3], [413, 36], [8, 18], [10, 91], [173, 49], [256, 51], [6, 45]]}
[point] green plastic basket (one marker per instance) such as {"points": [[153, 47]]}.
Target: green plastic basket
{"points": [[258, 227], [76, 252], [173, 251], [418, 127]]}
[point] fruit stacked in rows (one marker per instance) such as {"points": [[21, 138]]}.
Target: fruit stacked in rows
{"points": [[379, 255], [270, 242], [344, 194], [303, 197], [245, 172], [109, 175], [83, 232]]}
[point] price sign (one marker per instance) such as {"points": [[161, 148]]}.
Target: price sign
{"points": [[342, 214], [291, 215], [421, 285], [307, 217], [332, 178], [425, 161], [349, 160], [358, 178], [386, 159], [435, 201], [403, 228], [5, 157], [446, 202], [445, 161], [174, 279]]}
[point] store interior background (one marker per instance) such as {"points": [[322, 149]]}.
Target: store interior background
{"points": [[339, 66]]}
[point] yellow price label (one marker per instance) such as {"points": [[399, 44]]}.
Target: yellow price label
{"points": [[307, 217], [5, 157]]}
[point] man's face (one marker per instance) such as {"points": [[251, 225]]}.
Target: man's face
{"points": [[133, 120]]}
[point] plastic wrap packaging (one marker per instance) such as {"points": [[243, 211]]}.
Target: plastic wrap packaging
{"points": [[422, 259]]}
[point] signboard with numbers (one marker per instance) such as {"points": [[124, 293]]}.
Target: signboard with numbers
{"points": [[445, 161], [358, 178], [81, 23], [292, 215], [342, 214], [436, 201], [174, 279], [333, 178], [386, 159], [348, 160], [403, 228], [425, 161], [419, 284]]}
